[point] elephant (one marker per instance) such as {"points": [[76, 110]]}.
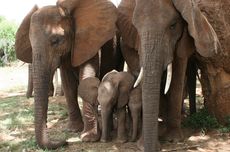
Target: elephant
{"points": [[113, 93], [215, 71], [135, 108], [170, 31], [69, 36]]}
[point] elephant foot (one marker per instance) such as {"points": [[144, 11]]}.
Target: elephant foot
{"points": [[75, 126], [104, 140], [173, 135], [133, 139], [90, 135], [121, 140], [140, 143], [28, 95]]}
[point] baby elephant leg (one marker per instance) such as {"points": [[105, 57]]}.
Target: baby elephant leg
{"points": [[121, 130], [135, 106]]}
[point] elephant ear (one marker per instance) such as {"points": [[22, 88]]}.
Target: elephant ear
{"points": [[205, 38], [124, 23], [22, 42], [95, 23]]}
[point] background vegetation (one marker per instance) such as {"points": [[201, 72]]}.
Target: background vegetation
{"points": [[7, 40]]}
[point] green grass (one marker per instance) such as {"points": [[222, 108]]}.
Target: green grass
{"points": [[201, 120], [204, 121], [226, 128], [16, 124]]}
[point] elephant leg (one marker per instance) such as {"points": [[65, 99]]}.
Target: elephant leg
{"points": [[191, 81], [174, 132], [121, 131], [61, 91], [55, 83], [51, 85], [30, 82], [106, 112], [91, 130], [135, 113], [69, 84]]}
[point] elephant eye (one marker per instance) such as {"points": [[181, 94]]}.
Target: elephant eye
{"points": [[173, 25], [56, 40]]}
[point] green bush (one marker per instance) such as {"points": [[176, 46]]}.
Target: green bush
{"points": [[226, 128], [201, 120], [7, 40]]}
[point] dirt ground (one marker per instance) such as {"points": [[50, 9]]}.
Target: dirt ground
{"points": [[20, 137]]}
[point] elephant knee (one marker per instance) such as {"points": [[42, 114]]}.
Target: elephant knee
{"points": [[88, 89]]}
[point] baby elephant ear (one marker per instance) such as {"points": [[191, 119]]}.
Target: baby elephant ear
{"points": [[22, 42], [205, 38], [95, 23]]}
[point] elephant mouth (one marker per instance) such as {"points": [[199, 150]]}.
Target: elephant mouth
{"points": [[168, 78]]}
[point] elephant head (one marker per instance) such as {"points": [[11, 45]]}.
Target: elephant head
{"points": [[46, 35], [167, 28]]}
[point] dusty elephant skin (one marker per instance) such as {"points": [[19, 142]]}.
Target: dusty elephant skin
{"points": [[47, 37], [170, 31], [215, 71]]}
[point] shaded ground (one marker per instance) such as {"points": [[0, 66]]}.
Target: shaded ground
{"points": [[17, 130]]}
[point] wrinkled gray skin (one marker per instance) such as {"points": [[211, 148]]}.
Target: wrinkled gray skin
{"points": [[169, 30], [113, 94], [52, 87], [135, 108]]}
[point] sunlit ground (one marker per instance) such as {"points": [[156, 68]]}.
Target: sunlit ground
{"points": [[17, 129]]}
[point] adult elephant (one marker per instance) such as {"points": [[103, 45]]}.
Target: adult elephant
{"points": [[169, 30], [68, 35]]}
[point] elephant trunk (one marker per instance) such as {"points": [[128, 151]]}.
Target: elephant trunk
{"points": [[152, 72], [41, 77]]}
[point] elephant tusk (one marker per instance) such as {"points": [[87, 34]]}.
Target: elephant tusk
{"points": [[139, 78], [168, 78]]}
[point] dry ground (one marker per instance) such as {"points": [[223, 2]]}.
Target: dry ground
{"points": [[17, 131]]}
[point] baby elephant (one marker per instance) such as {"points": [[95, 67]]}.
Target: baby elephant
{"points": [[113, 93]]}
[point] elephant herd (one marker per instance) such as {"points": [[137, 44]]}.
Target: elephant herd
{"points": [[89, 40]]}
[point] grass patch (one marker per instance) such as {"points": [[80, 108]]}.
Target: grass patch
{"points": [[226, 128], [204, 121], [201, 120], [17, 124]]}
